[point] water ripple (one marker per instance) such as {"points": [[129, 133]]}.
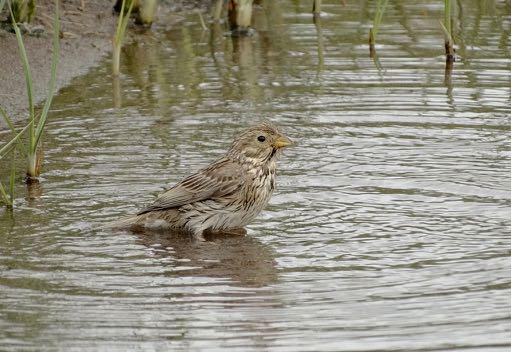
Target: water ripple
{"points": [[389, 228]]}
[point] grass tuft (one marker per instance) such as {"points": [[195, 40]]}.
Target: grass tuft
{"points": [[22, 10], [122, 24], [35, 127]]}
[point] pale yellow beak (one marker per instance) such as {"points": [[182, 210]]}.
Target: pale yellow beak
{"points": [[282, 142]]}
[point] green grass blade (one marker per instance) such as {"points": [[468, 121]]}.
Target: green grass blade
{"points": [[119, 20], [7, 120], [6, 147], [381, 5], [8, 197], [28, 77], [123, 22], [447, 16], [51, 86], [11, 126], [12, 180], [447, 34], [5, 196]]}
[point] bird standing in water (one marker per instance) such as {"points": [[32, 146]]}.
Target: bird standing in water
{"points": [[223, 197]]}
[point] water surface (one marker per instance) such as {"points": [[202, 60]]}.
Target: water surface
{"points": [[389, 230]]}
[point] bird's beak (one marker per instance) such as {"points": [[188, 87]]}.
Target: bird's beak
{"points": [[282, 142]]}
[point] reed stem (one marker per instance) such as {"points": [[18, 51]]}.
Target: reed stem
{"points": [[122, 23]]}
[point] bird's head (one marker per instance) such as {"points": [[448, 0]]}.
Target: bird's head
{"points": [[259, 144]]}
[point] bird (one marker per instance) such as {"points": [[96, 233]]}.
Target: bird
{"points": [[222, 197]]}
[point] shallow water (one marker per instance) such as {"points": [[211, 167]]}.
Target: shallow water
{"points": [[390, 228]]}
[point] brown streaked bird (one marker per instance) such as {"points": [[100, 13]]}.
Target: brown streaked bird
{"points": [[223, 197]]}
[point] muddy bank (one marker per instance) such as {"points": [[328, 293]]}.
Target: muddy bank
{"points": [[86, 38]]}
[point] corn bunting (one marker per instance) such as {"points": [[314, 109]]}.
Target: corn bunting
{"points": [[223, 197]]}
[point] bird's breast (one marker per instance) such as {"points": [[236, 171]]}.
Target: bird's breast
{"points": [[259, 191]]}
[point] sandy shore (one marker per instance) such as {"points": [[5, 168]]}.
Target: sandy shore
{"points": [[86, 38]]}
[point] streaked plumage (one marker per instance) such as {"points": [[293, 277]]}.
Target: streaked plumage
{"points": [[224, 196]]}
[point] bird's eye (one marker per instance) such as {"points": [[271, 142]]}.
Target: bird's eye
{"points": [[261, 138]]}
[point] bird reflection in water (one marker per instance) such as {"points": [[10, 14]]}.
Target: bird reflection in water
{"points": [[242, 259]]}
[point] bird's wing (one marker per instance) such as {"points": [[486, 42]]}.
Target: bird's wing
{"points": [[219, 179]]}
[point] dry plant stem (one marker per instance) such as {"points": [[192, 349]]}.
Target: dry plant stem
{"points": [[449, 51], [244, 17], [371, 43], [240, 15]]}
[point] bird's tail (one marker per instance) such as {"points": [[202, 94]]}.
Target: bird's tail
{"points": [[124, 223]]}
